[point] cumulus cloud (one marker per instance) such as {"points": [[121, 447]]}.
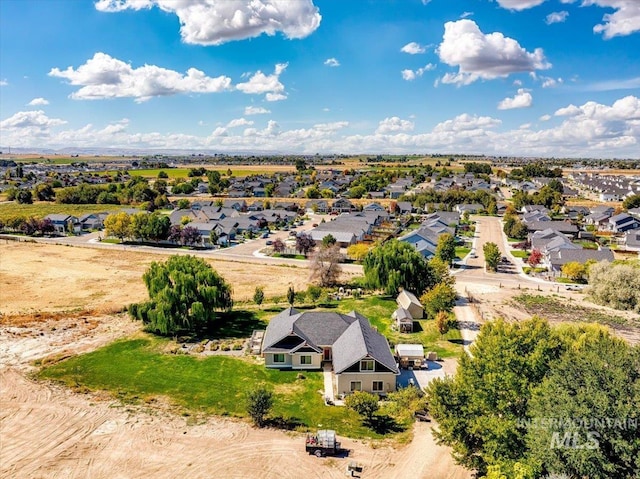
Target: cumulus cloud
{"points": [[413, 48], [480, 56], [394, 124], [106, 77], [624, 21], [270, 85], [209, 22], [239, 122], [4, 82], [38, 102], [519, 4], [255, 110], [411, 75], [548, 82], [332, 62], [522, 99], [30, 119], [557, 17], [590, 130]]}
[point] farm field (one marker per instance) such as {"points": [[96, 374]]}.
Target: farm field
{"points": [[41, 209]]}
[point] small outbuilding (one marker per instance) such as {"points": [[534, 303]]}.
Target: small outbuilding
{"points": [[404, 321], [408, 301], [410, 355]]}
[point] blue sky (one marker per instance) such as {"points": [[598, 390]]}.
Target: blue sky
{"points": [[497, 77]]}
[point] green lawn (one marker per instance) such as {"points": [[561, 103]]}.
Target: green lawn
{"points": [[379, 310], [462, 251], [42, 209], [519, 253], [136, 370]]}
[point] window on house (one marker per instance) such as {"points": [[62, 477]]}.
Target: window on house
{"points": [[377, 386], [305, 359], [367, 365], [278, 358], [356, 386]]}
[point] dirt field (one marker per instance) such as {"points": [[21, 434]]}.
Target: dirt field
{"points": [[51, 432], [40, 277]]}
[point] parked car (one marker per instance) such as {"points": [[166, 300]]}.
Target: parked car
{"points": [[269, 243], [293, 233], [265, 235], [573, 287], [315, 225]]}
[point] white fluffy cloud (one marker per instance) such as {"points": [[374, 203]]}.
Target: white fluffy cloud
{"points": [[522, 99], [239, 122], [519, 4], [410, 75], [413, 48], [394, 124], [4, 82], [624, 21], [332, 62], [548, 82], [38, 102], [36, 119], [255, 110], [211, 22], [480, 56], [270, 85], [557, 17], [589, 130], [106, 77]]}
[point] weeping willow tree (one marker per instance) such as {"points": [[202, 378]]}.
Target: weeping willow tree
{"points": [[396, 265], [185, 293]]}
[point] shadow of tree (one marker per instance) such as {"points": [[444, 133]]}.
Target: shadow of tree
{"points": [[383, 424], [286, 423], [235, 324]]}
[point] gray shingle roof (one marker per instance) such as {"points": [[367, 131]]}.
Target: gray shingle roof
{"points": [[360, 341]]}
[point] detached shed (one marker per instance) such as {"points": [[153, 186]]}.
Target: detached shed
{"points": [[408, 301], [404, 321], [410, 355]]}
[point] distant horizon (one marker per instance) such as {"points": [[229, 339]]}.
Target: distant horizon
{"points": [[516, 78]]}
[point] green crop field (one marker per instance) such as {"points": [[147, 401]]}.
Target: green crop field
{"points": [[42, 209]]}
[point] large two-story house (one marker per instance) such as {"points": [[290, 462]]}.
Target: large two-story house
{"points": [[360, 356]]}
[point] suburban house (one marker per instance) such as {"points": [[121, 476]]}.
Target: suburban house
{"points": [[62, 222], [623, 222], [360, 356]]}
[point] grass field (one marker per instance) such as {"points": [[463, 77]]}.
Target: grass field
{"points": [[43, 208], [519, 253], [138, 371], [462, 251]]}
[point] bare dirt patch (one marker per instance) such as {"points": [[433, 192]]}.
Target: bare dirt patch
{"points": [[41, 277]]}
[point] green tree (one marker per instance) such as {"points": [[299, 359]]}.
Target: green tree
{"points": [[258, 295], [24, 197], [162, 174], [328, 240], [185, 293], [482, 410], [183, 204], [491, 255], [630, 202], [364, 403], [615, 285], [442, 297], [291, 295], [446, 248], [358, 251], [597, 380], [118, 225], [259, 402], [441, 272], [314, 292], [396, 265], [44, 192]]}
